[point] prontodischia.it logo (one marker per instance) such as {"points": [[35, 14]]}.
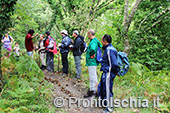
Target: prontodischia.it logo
{"points": [[81, 102]]}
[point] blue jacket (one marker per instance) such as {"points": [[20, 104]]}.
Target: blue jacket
{"points": [[109, 53], [66, 41]]}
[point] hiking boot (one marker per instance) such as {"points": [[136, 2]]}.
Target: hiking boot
{"points": [[63, 74], [108, 110], [50, 71], [90, 94], [76, 78], [43, 67]]}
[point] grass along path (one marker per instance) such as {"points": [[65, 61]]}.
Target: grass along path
{"points": [[123, 88]]}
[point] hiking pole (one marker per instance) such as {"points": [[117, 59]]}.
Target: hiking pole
{"points": [[70, 64], [58, 61], [39, 59]]}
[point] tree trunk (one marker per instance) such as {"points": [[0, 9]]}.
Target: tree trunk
{"points": [[127, 46], [125, 12], [127, 22]]}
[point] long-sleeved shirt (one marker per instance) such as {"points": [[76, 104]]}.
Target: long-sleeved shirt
{"points": [[76, 47], [42, 45], [109, 59], [66, 41], [28, 43], [92, 50]]}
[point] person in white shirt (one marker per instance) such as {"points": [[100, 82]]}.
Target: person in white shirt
{"points": [[41, 49], [16, 50]]}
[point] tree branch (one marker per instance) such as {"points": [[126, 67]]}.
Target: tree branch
{"points": [[146, 18], [168, 9], [3, 7], [92, 8], [104, 5], [127, 24], [131, 15], [56, 27], [125, 12], [154, 24], [63, 7], [148, 37], [97, 4], [167, 17]]}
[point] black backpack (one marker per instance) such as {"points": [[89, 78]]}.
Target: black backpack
{"points": [[83, 46]]}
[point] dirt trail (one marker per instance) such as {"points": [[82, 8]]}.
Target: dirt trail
{"points": [[66, 87]]}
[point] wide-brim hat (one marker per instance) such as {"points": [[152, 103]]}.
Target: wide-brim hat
{"points": [[64, 32]]}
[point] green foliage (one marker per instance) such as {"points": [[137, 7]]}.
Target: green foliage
{"points": [[141, 82], [27, 65], [57, 15], [148, 34], [6, 10], [77, 14], [29, 14], [25, 89], [150, 37]]}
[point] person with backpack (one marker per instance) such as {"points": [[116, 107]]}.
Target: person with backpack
{"points": [[78, 42], [64, 49], [41, 50], [110, 68], [49, 45], [29, 43], [92, 63], [7, 42]]}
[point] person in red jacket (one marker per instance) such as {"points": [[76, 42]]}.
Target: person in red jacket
{"points": [[55, 48], [49, 45], [28, 42]]}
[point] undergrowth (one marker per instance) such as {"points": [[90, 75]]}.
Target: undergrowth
{"points": [[25, 90]]}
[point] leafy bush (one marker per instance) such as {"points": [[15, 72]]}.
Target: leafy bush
{"points": [[25, 90]]}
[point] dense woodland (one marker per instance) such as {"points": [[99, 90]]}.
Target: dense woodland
{"points": [[141, 28]]}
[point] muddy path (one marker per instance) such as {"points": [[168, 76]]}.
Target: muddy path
{"points": [[70, 90]]}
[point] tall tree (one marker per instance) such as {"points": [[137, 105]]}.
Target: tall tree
{"points": [[127, 22]]}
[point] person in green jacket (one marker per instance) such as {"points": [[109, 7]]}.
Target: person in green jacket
{"points": [[91, 62]]}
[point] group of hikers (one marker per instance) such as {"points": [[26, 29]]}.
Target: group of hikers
{"points": [[47, 48]]}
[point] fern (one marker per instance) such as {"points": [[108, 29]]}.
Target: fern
{"points": [[26, 65], [39, 108], [23, 92], [21, 110]]}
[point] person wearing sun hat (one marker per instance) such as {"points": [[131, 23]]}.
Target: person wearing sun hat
{"points": [[64, 49]]}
